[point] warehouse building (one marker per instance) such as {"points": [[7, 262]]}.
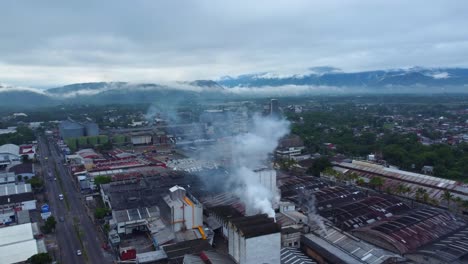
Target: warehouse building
{"points": [[336, 246], [452, 248], [18, 243], [405, 233]]}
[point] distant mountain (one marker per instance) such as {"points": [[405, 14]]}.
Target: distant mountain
{"points": [[11, 97], [329, 76], [315, 80]]}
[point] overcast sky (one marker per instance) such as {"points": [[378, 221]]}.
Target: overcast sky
{"points": [[49, 43]]}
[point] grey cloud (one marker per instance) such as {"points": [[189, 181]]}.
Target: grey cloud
{"points": [[182, 40]]}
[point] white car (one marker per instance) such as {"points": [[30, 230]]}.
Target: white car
{"points": [[61, 196], [78, 252]]}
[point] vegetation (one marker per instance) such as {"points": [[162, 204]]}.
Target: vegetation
{"points": [[357, 131], [40, 258], [23, 135], [377, 182], [319, 165], [50, 224], [101, 212], [98, 180], [36, 182]]}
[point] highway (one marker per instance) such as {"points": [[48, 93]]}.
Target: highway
{"points": [[77, 232]]}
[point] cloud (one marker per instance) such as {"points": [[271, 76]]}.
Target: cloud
{"points": [[54, 43]]}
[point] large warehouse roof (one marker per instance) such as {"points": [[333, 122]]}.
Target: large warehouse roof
{"points": [[17, 243], [10, 149], [406, 233], [452, 248]]}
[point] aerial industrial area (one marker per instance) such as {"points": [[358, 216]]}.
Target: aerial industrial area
{"points": [[233, 185]]}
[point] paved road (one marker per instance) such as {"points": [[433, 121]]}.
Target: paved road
{"points": [[75, 216]]}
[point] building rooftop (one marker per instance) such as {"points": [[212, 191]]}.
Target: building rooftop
{"points": [[145, 192], [24, 168], [290, 255], [16, 198], [8, 177], [17, 243], [208, 257], [9, 189], [342, 247], [177, 251], [135, 214], [255, 225], [408, 232], [363, 212], [452, 248]]}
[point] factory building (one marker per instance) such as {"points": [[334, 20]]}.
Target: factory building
{"points": [[18, 243], [141, 138], [452, 248], [91, 129], [405, 233], [72, 129], [254, 239], [182, 210], [69, 129]]}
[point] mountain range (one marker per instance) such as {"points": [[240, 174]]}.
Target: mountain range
{"points": [[313, 81]]}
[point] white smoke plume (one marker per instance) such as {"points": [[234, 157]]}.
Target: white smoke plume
{"points": [[307, 201], [250, 151]]}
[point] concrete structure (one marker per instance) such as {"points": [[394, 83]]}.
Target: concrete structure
{"points": [[91, 129], [18, 243], [254, 239], [69, 129], [182, 210], [129, 220], [290, 147], [274, 108], [141, 138], [72, 129]]}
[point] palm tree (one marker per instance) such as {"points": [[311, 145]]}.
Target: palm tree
{"points": [[425, 196], [419, 193], [377, 182], [400, 189], [447, 196], [458, 200]]}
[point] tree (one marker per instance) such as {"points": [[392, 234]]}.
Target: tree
{"points": [[25, 158], [377, 182], [400, 189], [40, 258], [98, 180], [360, 182], [101, 212], [20, 177], [50, 224], [319, 165], [419, 193], [36, 182], [447, 196]]}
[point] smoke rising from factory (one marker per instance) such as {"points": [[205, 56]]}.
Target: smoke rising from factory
{"points": [[250, 151]]}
